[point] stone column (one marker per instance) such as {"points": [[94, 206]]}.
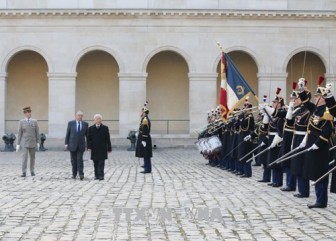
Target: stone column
{"points": [[62, 102], [132, 96], [202, 97], [269, 82], [3, 82]]}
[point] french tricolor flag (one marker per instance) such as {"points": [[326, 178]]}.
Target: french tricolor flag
{"points": [[234, 88]]}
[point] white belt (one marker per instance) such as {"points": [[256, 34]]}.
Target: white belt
{"points": [[300, 133], [272, 133], [291, 130]]}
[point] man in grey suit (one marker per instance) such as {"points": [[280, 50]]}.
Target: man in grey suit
{"points": [[29, 137], [75, 142]]}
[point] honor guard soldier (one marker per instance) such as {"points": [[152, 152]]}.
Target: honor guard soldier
{"points": [[144, 141], [28, 139], [234, 155], [317, 143], [244, 138], [301, 115], [276, 115], [286, 145], [331, 104]]}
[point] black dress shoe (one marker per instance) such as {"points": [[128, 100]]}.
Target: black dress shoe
{"points": [[96, 178], [244, 176], [23, 174], [316, 205], [81, 177], [143, 166], [73, 177], [286, 189], [32, 174], [277, 185], [101, 178], [271, 184], [299, 195], [262, 180], [144, 172]]}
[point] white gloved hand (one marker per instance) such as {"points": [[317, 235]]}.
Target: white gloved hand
{"points": [[262, 144], [265, 119], [144, 143], [289, 114], [328, 90], [301, 84], [303, 143], [277, 139], [261, 107], [17, 148], [65, 147], [269, 110], [247, 138], [38, 146], [313, 148]]}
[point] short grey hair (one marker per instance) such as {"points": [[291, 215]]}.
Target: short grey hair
{"points": [[79, 112], [97, 116]]}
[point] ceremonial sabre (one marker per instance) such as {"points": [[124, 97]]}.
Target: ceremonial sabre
{"points": [[289, 157], [287, 154], [262, 144], [325, 175], [233, 149], [251, 159]]}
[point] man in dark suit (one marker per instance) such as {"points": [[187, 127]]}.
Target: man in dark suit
{"points": [[99, 143], [75, 142]]}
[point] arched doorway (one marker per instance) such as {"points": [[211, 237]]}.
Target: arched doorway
{"points": [[246, 66], [168, 93], [27, 85], [307, 65], [97, 88]]}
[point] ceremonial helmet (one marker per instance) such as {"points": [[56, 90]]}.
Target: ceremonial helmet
{"points": [[145, 109], [320, 91], [305, 87], [278, 98], [294, 94]]}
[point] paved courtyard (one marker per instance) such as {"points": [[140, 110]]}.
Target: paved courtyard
{"points": [[183, 199]]}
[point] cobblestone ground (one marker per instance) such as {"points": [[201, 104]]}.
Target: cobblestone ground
{"points": [[52, 206]]}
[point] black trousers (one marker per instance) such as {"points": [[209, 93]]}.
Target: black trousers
{"points": [[147, 164], [77, 163], [99, 166]]}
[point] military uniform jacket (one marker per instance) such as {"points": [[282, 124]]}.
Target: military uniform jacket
{"points": [[261, 132], [276, 126], [319, 133], [235, 128], [28, 134], [246, 128], [286, 145], [144, 135], [300, 127]]}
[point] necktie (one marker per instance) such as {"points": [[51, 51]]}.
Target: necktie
{"points": [[78, 127]]}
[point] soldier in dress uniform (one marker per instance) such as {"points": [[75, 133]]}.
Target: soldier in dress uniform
{"points": [[28, 138], [236, 167], [144, 141], [331, 104], [318, 138], [287, 142], [245, 130], [276, 115], [301, 115]]}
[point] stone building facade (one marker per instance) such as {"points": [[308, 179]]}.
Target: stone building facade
{"points": [[109, 56]]}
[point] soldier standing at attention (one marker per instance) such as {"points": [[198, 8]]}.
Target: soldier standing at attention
{"points": [[28, 137], [144, 142]]}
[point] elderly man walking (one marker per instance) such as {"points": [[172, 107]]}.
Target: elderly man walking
{"points": [[75, 142], [99, 143], [29, 137]]}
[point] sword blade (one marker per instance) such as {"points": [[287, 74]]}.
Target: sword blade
{"points": [[263, 151], [250, 152], [321, 178], [284, 156], [289, 157]]}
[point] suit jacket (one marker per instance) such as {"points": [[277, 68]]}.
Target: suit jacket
{"points": [[99, 142], [28, 133], [76, 141]]}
